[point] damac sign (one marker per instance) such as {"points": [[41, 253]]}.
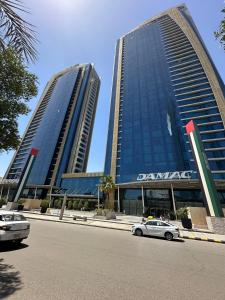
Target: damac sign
{"points": [[165, 176]]}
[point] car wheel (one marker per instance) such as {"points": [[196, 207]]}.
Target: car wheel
{"points": [[168, 236], [138, 232]]}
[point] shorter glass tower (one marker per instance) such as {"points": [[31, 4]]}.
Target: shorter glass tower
{"points": [[60, 128]]}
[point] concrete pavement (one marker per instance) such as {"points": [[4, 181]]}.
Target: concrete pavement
{"points": [[120, 224], [60, 261]]}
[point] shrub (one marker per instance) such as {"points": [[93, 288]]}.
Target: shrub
{"points": [[86, 205], [75, 204], [44, 203], [91, 205], [58, 203], [44, 206], [70, 204], [80, 204], [172, 215], [2, 202], [21, 201], [182, 213]]}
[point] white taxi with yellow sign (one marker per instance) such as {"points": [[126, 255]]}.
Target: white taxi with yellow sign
{"points": [[157, 228]]}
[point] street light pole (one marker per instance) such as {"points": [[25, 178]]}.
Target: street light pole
{"points": [[118, 195], [50, 197], [7, 196], [98, 198], [173, 199], [143, 199], [35, 193]]}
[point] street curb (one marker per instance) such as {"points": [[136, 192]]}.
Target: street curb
{"points": [[72, 223], [203, 239]]}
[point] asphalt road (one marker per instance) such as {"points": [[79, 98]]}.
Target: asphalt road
{"points": [[63, 261]]}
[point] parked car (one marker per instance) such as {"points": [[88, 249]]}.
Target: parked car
{"points": [[13, 226], [156, 228]]}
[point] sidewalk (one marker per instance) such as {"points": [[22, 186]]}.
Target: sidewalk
{"points": [[69, 220], [123, 225]]}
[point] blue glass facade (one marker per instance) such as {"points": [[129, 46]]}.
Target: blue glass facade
{"points": [[194, 96], [72, 130], [60, 128], [162, 85], [111, 117], [81, 185], [48, 132]]}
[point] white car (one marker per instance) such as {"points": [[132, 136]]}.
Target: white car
{"points": [[13, 226], [156, 228]]}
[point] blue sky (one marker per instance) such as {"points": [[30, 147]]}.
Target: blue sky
{"points": [[83, 31]]}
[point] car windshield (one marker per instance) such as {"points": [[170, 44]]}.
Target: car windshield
{"points": [[12, 217]]}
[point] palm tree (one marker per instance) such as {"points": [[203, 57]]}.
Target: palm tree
{"points": [[220, 34], [107, 186], [15, 32]]}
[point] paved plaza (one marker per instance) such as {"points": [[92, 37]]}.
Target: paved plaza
{"points": [[63, 261]]}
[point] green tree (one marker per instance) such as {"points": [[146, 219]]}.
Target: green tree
{"points": [[107, 186], [15, 32], [17, 87], [220, 34]]}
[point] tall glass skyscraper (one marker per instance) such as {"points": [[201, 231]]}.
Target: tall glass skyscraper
{"points": [[164, 77], [60, 128]]}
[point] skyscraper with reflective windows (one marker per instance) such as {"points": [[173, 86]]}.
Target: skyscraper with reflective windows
{"points": [[60, 128], [164, 77]]}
